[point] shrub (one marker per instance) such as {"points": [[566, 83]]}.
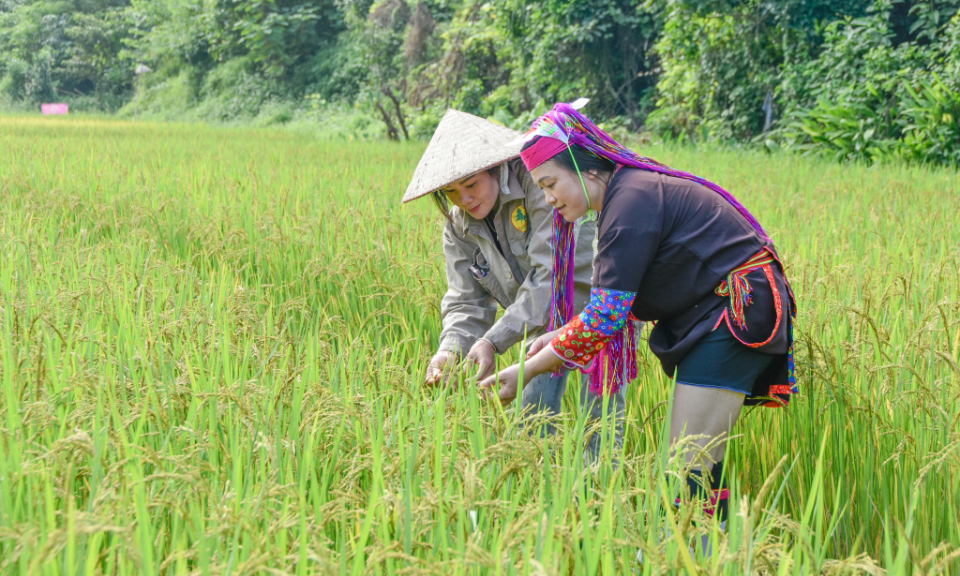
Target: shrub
{"points": [[866, 99]]}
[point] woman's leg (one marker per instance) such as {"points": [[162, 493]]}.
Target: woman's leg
{"points": [[701, 411], [709, 413]]}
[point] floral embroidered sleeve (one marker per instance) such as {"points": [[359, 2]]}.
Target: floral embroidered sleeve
{"points": [[584, 336]]}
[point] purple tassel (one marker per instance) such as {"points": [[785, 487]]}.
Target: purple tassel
{"points": [[561, 294], [580, 130], [564, 248]]}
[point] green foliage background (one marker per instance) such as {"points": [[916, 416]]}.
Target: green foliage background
{"points": [[857, 80]]}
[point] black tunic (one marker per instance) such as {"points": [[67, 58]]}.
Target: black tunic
{"points": [[672, 242]]}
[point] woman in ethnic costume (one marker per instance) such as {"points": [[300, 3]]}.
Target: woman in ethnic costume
{"points": [[496, 243], [675, 249]]}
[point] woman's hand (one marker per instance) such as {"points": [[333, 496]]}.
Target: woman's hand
{"points": [[440, 363], [541, 342], [484, 357], [543, 361], [509, 380]]}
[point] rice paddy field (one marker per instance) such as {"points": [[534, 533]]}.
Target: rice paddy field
{"points": [[213, 340]]}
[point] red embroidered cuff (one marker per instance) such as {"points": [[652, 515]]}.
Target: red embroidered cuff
{"points": [[578, 343]]}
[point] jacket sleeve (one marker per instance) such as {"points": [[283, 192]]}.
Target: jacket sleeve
{"points": [[531, 308], [467, 309]]}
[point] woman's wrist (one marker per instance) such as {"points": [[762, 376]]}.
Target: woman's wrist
{"points": [[544, 361], [490, 343]]}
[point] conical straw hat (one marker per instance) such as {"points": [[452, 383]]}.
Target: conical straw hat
{"points": [[463, 144]]}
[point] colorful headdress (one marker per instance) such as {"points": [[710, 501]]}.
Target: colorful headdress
{"points": [[557, 130]]}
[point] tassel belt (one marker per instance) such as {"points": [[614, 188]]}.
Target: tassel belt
{"points": [[737, 286]]}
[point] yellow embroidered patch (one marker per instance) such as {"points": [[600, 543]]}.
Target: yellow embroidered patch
{"points": [[519, 219]]}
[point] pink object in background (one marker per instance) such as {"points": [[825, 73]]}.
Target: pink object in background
{"points": [[58, 109]]}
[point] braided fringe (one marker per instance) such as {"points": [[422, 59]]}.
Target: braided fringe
{"points": [[561, 294], [616, 364], [580, 130]]}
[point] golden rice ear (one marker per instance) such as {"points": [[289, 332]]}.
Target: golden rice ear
{"points": [[463, 144]]}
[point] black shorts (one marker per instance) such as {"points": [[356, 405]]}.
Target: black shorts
{"points": [[718, 360]]}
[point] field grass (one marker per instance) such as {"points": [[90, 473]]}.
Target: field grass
{"points": [[213, 340]]}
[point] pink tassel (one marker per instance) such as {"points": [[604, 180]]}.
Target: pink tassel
{"points": [[616, 364]]}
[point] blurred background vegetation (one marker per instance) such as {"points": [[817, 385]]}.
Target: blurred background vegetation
{"points": [[855, 80]]}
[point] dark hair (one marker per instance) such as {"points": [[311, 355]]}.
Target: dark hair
{"points": [[442, 203], [586, 160]]}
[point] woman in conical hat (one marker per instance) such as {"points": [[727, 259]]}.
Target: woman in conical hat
{"points": [[675, 249], [497, 245]]}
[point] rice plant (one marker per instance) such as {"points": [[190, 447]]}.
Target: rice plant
{"points": [[213, 342]]}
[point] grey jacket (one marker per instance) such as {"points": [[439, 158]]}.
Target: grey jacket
{"points": [[519, 280]]}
